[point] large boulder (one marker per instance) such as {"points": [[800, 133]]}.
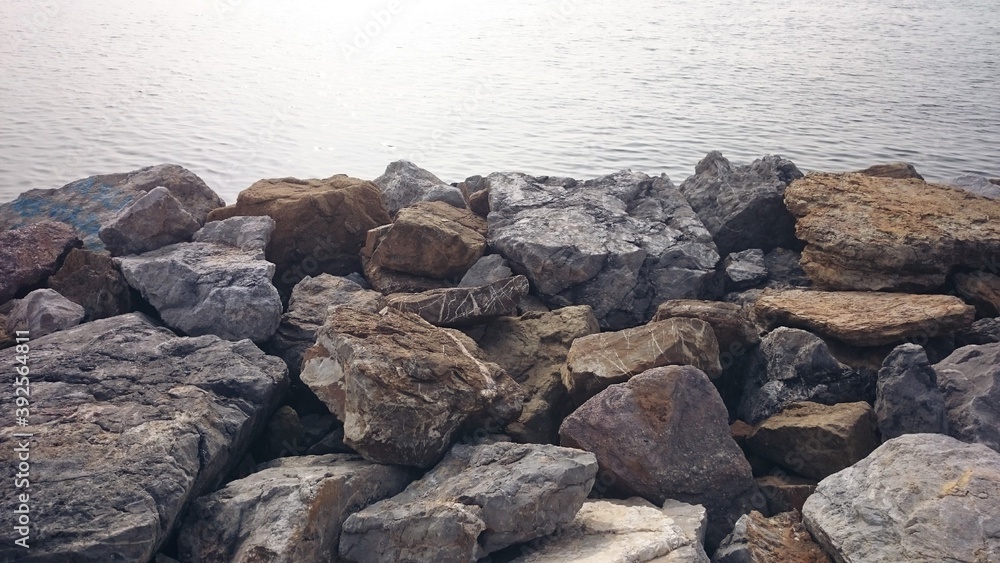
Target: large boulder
{"points": [[921, 498], [404, 184], [91, 280], [784, 269], [390, 281], [745, 269], [478, 500], [981, 290], [621, 243], [463, 306], [871, 233], [970, 381], [42, 312], [907, 399], [781, 538], [154, 220], [31, 254], [129, 424], [743, 206]]}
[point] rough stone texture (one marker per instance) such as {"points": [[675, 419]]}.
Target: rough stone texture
{"points": [[478, 500], [868, 233], [463, 306], [476, 191], [742, 205], [130, 423], [404, 184], [733, 330], [922, 498], [211, 287], [970, 381], [599, 360], [977, 185], [621, 243], [30, 254], [389, 281], [865, 318], [784, 270], [908, 400], [745, 269], [665, 434], [488, 269], [532, 349], [899, 170], [152, 221], [983, 331], [92, 280], [981, 290], [250, 233], [816, 440], [320, 225], [403, 387], [785, 492], [757, 539], [290, 511], [42, 312]]}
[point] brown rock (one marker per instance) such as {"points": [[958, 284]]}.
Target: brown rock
{"points": [[898, 170], [982, 290], [781, 538], [389, 281], [463, 306], [865, 318], [476, 191], [732, 326], [92, 281], [785, 492], [30, 254]]}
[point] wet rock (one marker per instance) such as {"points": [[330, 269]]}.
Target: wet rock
{"points": [[42, 312], [404, 184], [970, 381], [31, 254], [981, 290], [92, 280], [908, 400], [488, 269], [757, 539], [983, 331], [785, 492], [463, 306], [152, 221], [899, 170], [784, 270], [745, 269], [976, 185]]}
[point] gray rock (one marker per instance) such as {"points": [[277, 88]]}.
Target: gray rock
{"points": [[779, 539], [921, 498], [745, 269], [970, 381], [978, 185], [743, 206], [464, 306], [30, 254], [488, 269], [784, 270], [130, 424], [92, 281], [907, 398], [478, 500], [152, 221], [983, 331], [248, 233], [42, 312], [405, 183], [621, 243]]}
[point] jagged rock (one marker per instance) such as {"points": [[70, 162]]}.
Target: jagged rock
{"points": [[976, 185], [476, 191], [478, 500], [867, 233], [742, 205], [289, 511], [599, 360], [532, 349], [981, 290], [921, 498], [404, 184], [212, 287], [983, 331], [42, 312], [152, 221], [320, 225], [757, 539], [784, 270], [250, 233], [403, 387], [899, 170], [732, 327], [131, 423], [907, 399], [745, 269], [785, 492], [463, 306], [865, 318], [621, 243], [30, 254], [488, 269], [389, 281], [970, 381], [92, 281], [816, 440]]}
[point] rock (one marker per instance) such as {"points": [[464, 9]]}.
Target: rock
{"points": [[730, 323], [983, 331], [31, 254], [908, 400], [320, 225], [898, 170], [488, 269], [621, 243], [757, 539], [131, 423], [478, 500], [404, 184], [403, 387], [152, 221], [745, 269], [42, 312], [665, 434], [476, 191], [981, 290], [92, 280], [867, 233], [865, 318], [211, 287], [290, 511], [919, 498], [250, 233], [970, 381], [282, 436], [785, 492], [599, 360], [976, 185], [532, 349], [463, 306], [784, 270], [742, 205]]}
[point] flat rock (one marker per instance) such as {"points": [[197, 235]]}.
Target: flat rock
{"points": [[757, 539], [899, 170], [463, 306], [970, 381], [91, 280], [135, 422], [745, 269], [42, 312], [154, 220], [488, 269], [907, 399], [981, 290], [404, 184], [30, 254]]}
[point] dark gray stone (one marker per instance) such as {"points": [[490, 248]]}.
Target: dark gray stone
{"points": [[488, 269], [784, 270], [405, 183], [983, 331], [978, 185], [92, 281], [152, 221], [745, 269], [970, 381], [907, 398]]}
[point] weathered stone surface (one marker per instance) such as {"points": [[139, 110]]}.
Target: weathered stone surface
{"points": [[785, 492], [404, 184], [91, 280], [745, 269], [30, 254], [211, 287], [621, 243], [532, 349], [733, 330], [981, 290], [478, 500], [757, 539], [922, 498], [488, 269], [403, 387], [867, 233], [250, 233], [784, 270], [476, 191], [320, 225], [865, 318], [816, 440], [290, 511], [665, 434], [983, 331], [389, 281], [599, 360], [907, 399], [976, 185], [152, 221], [742, 205], [970, 381], [282, 436], [42, 312], [463, 306], [899, 170], [130, 423]]}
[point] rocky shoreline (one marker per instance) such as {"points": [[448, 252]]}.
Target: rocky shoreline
{"points": [[755, 365]]}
